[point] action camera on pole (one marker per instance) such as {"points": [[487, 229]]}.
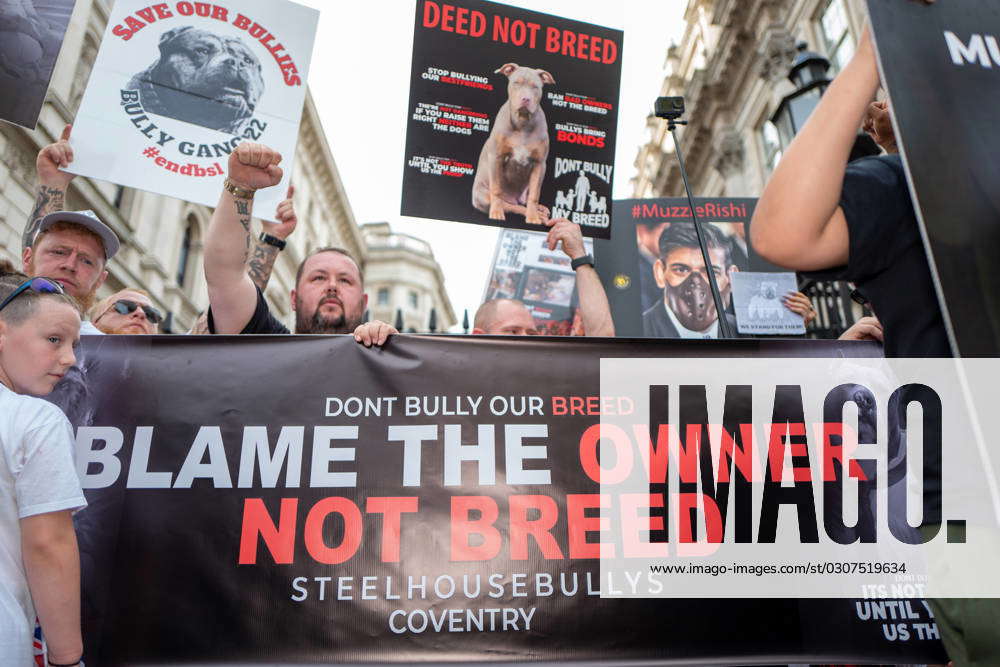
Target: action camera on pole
{"points": [[669, 108]]}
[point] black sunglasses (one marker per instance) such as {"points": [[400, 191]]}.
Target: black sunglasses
{"points": [[125, 307], [40, 285]]}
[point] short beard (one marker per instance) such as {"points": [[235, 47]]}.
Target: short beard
{"points": [[317, 324]]}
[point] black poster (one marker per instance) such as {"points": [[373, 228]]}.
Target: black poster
{"points": [[941, 65], [626, 263], [512, 117], [302, 500], [31, 34]]}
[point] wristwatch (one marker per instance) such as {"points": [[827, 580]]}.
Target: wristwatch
{"points": [[273, 240], [580, 261]]}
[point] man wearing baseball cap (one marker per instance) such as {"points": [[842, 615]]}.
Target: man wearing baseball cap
{"points": [[72, 248]]}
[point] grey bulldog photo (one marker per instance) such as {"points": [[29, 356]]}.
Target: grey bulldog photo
{"points": [[202, 78]]}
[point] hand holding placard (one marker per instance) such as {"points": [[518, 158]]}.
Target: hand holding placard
{"points": [[52, 158]]}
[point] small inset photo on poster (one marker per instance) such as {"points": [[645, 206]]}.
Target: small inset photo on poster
{"points": [[512, 117], [759, 302]]}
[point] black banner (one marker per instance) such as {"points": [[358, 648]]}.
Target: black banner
{"points": [[308, 500], [941, 65], [520, 99]]}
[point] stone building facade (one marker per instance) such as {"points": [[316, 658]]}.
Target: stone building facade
{"points": [[732, 69], [402, 277], [162, 238]]}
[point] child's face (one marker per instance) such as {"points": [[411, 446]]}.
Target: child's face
{"points": [[36, 354]]}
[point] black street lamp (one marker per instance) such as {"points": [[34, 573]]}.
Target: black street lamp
{"points": [[809, 74]]}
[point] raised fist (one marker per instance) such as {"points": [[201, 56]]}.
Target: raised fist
{"points": [[254, 166]]}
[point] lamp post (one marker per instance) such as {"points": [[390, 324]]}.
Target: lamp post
{"points": [[809, 73]]}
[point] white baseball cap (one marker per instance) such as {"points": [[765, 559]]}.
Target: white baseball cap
{"points": [[86, 219]]}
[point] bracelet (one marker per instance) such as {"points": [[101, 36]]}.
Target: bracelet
{"points": [[273, 241], [71, 664], [580, 261], [237, 191]]}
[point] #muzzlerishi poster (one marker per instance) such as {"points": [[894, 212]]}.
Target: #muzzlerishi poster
{"points": [[178, 85], [512, 117]]}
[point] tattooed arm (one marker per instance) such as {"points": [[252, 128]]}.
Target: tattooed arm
{"points": [[264, 254], [50, 195], [231, 292]]}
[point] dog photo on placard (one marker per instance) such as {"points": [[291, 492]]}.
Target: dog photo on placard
{"points": [[202, 78], [512, 162]]}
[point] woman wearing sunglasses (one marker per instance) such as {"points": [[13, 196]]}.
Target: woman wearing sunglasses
{"points": [[129, 311], [39, 489]]}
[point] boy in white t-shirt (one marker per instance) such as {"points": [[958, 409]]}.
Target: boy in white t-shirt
{"points": [[39, 488]]}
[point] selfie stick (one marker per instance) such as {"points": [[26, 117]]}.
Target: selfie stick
{"points": [[670, 109]]}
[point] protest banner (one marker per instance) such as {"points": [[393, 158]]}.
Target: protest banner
{"points": [[512, 117], [525, 269], [178, 85], [757, 302], [248, 503], [31, 34], [941, 67], [627, 263]]}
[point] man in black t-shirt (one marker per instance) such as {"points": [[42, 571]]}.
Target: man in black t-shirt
{"points": [[329, 295], [818, 213]]}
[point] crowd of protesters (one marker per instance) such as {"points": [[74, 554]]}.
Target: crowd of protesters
{"points": [[817, 214]]}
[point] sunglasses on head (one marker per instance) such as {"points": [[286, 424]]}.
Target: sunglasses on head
{"points": [[125, 307], [40, 285]]}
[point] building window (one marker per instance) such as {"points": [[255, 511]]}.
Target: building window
{"points": [[835, 33], [771, 145], [414, 299], [383, 296]]}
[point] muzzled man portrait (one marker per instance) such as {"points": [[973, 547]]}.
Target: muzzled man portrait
{"points": [[202, 78]]}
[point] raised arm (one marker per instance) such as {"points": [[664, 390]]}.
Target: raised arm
{"points": [[264, 254], [594, 308], [50, 192], [798, 223], [232, 295], [52, 565]]}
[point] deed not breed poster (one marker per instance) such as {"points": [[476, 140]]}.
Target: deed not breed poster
{"points": [[512, 116]]}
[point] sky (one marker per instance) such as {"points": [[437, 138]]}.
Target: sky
{"points": [[363, 52]]}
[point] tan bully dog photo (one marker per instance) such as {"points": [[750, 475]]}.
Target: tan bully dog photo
{"points": [[202, 78], [512, 162]]}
